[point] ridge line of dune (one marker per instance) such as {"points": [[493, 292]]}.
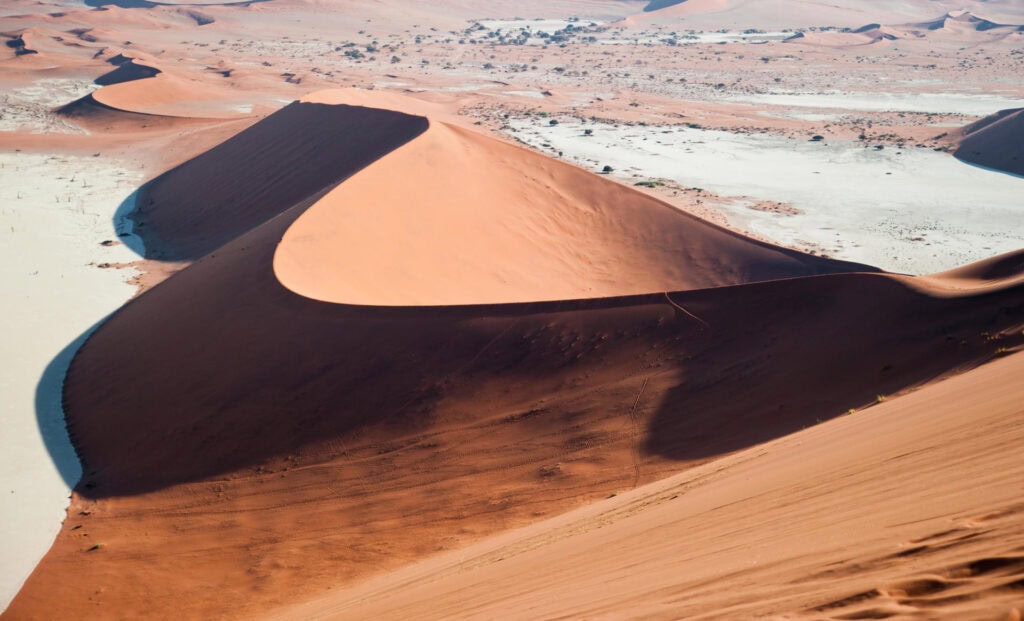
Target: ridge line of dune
{"points": [[476, 220]]}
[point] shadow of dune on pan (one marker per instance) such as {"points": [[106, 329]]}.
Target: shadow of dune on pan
{"points": [[50, 411]]}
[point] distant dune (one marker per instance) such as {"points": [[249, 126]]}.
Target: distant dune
{"points": [[714, 14], [690, 5], [246, 446], [995, 142], [961, 25]]}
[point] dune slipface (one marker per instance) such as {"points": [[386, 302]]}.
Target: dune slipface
{"points": [[286, 415]]}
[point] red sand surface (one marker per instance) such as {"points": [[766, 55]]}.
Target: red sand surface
{"points": [[455, 217], [246, 447], [910, 510], [394, 340]]}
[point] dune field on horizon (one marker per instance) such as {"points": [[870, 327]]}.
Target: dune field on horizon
{"points": [[584, 309]]}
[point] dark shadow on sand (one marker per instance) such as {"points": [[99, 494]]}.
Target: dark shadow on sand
{"points": [[50, 411], [771, 365]]}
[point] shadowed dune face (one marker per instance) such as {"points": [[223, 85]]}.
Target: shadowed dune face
{"points": [[596, 238], [287, 445], [243, 444], [127, 72], [821, 345], [299, 151], [995, 142]]}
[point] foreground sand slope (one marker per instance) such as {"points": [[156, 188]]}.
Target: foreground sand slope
{"points": [[246, 447], [909, 510]]}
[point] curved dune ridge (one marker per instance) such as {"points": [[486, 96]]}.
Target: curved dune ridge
{"points": [[128, 70], [455, 217], [995, 142], [169, 95], [996, 273], [246, 447], [302, 150]]}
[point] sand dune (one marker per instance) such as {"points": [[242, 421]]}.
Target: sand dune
{"points": [[841, 39], [476, 221], [960, 25], [995, 273], [245, 446], [169, 95], [683, 7], [127, 71], [393, 336], [961, 16], [300, 151], [909, 510], [963, 20], [995, 142]]}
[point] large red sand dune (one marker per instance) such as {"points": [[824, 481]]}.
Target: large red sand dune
{"points": [[246, 446], [454, 217]]}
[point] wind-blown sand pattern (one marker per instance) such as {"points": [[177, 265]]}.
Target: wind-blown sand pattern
{"points": [[384, 363]]}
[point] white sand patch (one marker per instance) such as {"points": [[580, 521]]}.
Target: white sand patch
{"points": [[740, 37], [905, 210], [54, 214], [464, 88], [814, 117], [694, 37], [29, 108], [972, 104], [533, 25], [530, 94]]}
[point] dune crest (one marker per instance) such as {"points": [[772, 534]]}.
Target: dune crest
{"points": [[455, 218], [994, 274]]}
